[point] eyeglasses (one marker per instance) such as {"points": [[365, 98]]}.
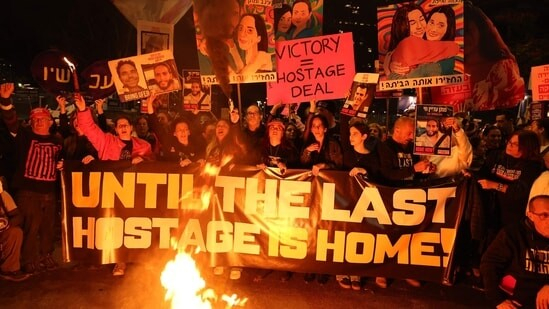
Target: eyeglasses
{"points": [[542, 215], [252, 113], [513, 144]]}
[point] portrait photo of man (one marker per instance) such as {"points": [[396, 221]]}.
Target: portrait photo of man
{"points": [[432, 135], [165, 77], [197, 98], [359, 97]]}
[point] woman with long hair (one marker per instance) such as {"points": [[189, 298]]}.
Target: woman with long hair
{"points": [[277, 151], [360, 161], [282, 21], [321, 151], [225, 147], [252, 41]]}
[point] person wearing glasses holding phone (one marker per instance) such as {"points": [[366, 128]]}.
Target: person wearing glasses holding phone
{"points": [[515, 268]]}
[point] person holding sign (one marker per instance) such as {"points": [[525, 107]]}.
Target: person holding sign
{"points": [[397, 163], [461, 151]]}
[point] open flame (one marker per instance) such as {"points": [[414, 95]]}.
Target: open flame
{"points": [[181, 278], [184, 284]]}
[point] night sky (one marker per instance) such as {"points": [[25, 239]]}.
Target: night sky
{"points": [[92, 30]]}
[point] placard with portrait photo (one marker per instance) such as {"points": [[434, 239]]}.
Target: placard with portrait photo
{"points": [[361, 95], [135, 77], [196, 96], [432, 135], [420, 44]]}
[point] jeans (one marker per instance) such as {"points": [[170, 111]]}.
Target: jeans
{"points": [[38, 211]]}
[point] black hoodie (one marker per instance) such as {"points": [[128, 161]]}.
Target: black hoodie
{"points": [[518, 251]]}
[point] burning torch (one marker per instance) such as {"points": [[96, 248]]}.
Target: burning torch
{"points": [[72, 67]]}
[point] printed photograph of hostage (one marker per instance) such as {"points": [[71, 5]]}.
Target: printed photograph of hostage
{"points": [[361, 95], [420, 40], [433, 135], [128, 79], [198, 97], [162, 76]]}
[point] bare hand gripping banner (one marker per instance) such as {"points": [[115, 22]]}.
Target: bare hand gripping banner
{"points": [[331, 223]]}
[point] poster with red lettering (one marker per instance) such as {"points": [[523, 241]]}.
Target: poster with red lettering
{"points": [[540, 83], [320, 68]]}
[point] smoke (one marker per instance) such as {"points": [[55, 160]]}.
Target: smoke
{"points": [[217, 20]]}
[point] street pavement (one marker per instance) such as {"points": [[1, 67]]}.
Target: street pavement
{"points": [[83, 286]]}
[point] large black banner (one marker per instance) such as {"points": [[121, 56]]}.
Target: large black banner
{"points": [[331, 223]]}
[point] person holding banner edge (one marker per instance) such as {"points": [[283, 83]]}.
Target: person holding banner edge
{"points": [[362, 162], [37, 154], [397, 163], [123, 146]]}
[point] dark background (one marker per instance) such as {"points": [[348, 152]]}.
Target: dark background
{"points": [[91, 30]]}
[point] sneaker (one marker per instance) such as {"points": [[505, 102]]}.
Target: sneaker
{"points": [[47, 262], [218, 270], [15, 276], [381, 282], [345, 283], [413, 282], [119, 269], [235, 273]]}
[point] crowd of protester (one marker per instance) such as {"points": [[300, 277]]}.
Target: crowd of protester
{"points": [[500, 162]]}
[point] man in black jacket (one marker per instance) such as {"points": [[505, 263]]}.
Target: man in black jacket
{"points": [[515, 268]]}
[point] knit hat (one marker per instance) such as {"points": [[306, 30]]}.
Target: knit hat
{"points": [[39, 112]]}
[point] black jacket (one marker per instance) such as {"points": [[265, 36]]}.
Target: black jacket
{"points": [[518, 251]]}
